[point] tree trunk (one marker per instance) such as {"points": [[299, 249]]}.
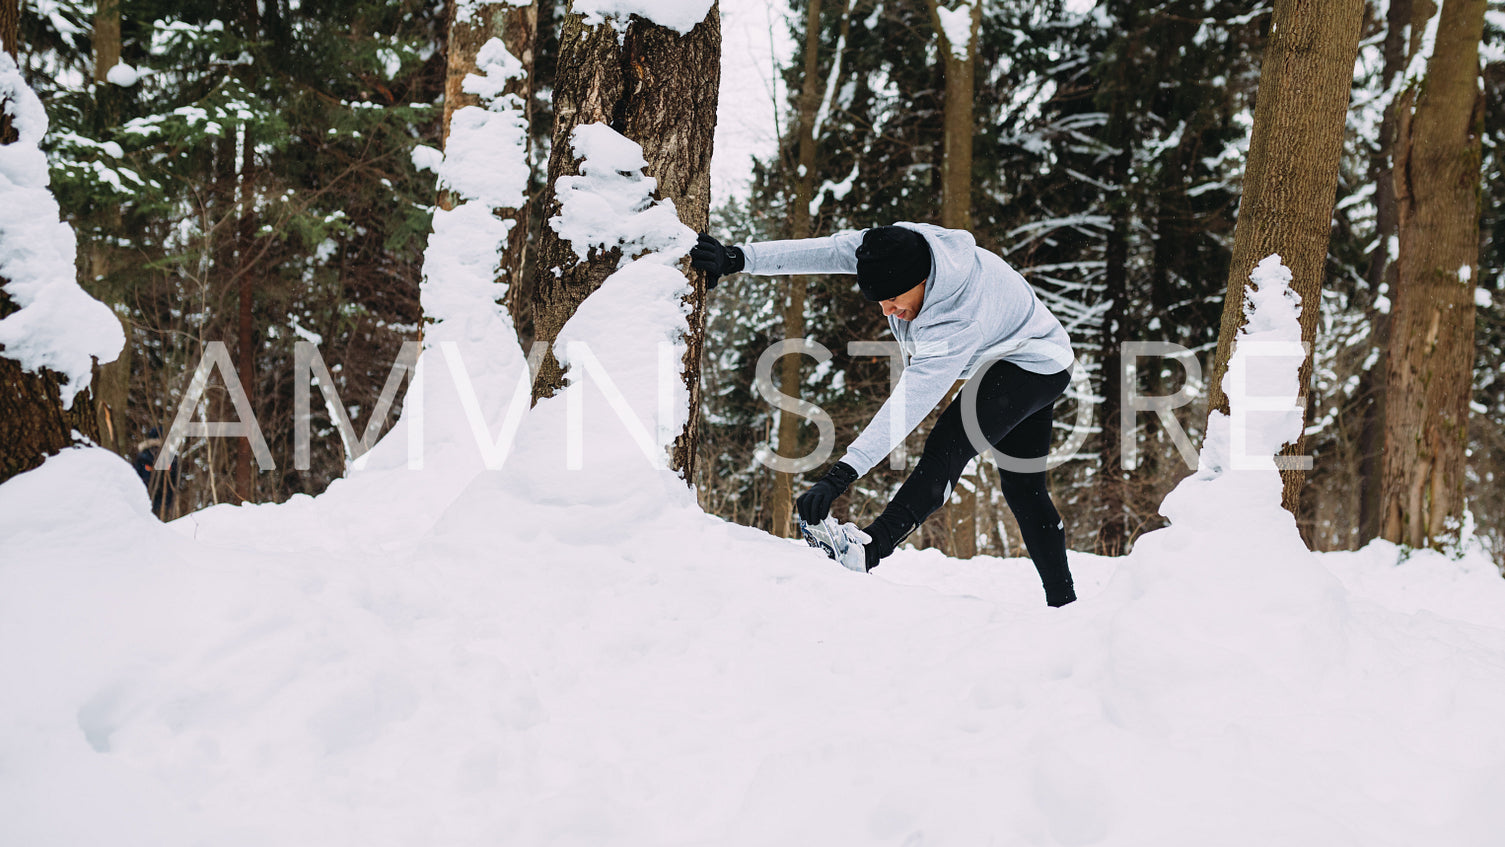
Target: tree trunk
{"points": [[659, 89], [242, 185], [1381, 276], [964, 523], [1291, 177], [112, 383], [33, 422], [112, 390], [517, 27], [10, 40], [956, 207], [956, 163], [245, 325], [1438, 152], [781, 501], [106, 37], [1111, 478], [1113, 532]]}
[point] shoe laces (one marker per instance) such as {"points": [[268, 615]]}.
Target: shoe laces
{"points": [[853, 535]]}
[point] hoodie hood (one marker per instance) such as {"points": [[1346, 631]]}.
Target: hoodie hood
{"points": [[952, 256]]}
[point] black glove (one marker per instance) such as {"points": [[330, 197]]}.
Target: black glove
{"points": [[815, 504], [717, 261]]}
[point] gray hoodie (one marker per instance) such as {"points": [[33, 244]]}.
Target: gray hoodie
{"points": [[977, 310]]}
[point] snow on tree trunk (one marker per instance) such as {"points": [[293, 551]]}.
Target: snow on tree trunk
{"points": [[607, 438], [473, 23], [1437, 185], [1227, 516], [653, 77], [471, 369], [468, 388], [50, 330], [1290, 180]]}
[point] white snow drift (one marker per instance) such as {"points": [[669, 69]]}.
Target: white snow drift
{"points": [[583, 657]]}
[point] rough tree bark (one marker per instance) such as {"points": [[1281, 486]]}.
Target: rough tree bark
{"points": [[1291, 177], [112, 383], [1438, 151], [659, 89], [106, 37], [1381, 271], [516, 24], [33, 422]]}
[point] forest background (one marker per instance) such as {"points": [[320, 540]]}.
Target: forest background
{"points": [[257, 173]]}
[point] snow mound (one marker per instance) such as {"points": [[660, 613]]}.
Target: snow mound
{"points": [[558, 673], [1232, 558]]}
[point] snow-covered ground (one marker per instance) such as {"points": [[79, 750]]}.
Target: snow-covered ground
{"points": [[634, 672], [536, 655]]}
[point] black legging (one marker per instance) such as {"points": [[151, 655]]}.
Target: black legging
{"points": [[1014, 408]]}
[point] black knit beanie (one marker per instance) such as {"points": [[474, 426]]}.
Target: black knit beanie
{"points": [[891, 261]]}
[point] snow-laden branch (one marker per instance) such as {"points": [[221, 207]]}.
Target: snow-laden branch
{"points": [[833, 78]]}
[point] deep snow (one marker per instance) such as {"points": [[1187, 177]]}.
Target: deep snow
{"points": [[537, 656], [635, 672]]}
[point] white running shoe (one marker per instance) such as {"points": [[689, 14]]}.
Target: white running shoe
{"points": [[843, 542]]}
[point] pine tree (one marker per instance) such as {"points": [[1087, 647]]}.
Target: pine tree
{"points": [[333, 230]]}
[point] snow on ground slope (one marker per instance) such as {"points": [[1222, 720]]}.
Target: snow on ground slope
{"points": [[601, 675], [538, 656]]}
